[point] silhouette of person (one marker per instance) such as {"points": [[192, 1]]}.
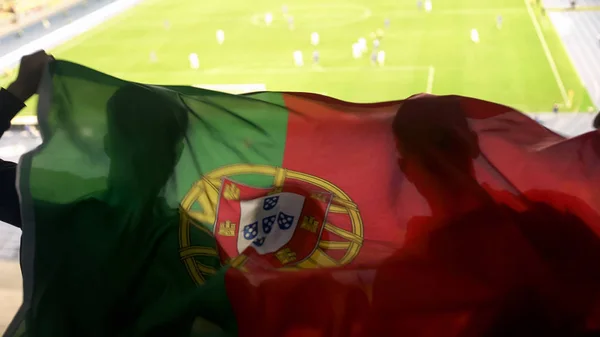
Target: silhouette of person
{"points": [[144, 142], [474, 267], [123, 258]]}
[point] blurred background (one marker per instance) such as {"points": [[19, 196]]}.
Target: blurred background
{"points": [[539, 56]]}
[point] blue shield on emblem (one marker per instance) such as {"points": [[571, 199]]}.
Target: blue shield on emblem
{"points": [[267, 223], [270, 203], [251, 231], [285, 221], [259, 242]]}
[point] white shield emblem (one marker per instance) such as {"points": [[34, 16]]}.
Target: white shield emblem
{"points": [[268, 223]]}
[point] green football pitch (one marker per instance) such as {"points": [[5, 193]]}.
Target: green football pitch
{"points": [[522, 64]]}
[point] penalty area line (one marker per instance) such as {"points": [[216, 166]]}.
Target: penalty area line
{"points": [[301, 70], [430, 78], [538, 30]]}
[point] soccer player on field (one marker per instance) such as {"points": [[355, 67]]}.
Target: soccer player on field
{"points": [[290, 22], [381, 58], [419, 4], [374, 57], [356, 50], [298, 58], [499, 21], [316, 57], [376, 44]]}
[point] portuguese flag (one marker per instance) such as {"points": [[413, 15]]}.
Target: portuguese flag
{"points": [[177, 211]]}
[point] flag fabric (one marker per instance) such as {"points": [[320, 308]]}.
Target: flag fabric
{"points": [[176, 211]]}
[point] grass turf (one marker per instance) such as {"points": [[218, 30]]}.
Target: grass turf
{"points": [[424, 50]]}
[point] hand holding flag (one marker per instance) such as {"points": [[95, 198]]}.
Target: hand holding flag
{"points": [[30, 74]]}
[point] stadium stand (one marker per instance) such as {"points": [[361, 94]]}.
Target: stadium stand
{"points": [[11, 293], [565, 4], [43, 22], [16, 13], [12, 145], [568, 125], [580, 31], [9, 242]]}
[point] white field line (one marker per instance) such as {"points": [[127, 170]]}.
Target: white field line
{"points": [[279, 71], [300, 70], [461, 11], [234, 88], [538, 30], [430, 78]]}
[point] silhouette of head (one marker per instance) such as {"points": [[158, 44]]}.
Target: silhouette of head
{"points": [[435, 144], [145, 137]]}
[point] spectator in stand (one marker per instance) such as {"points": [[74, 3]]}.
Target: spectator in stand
{"points": [[12, 100], [13, 10]]}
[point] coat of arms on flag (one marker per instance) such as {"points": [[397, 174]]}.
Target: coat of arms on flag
{"points": [[301, 221], [281, 225]]}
